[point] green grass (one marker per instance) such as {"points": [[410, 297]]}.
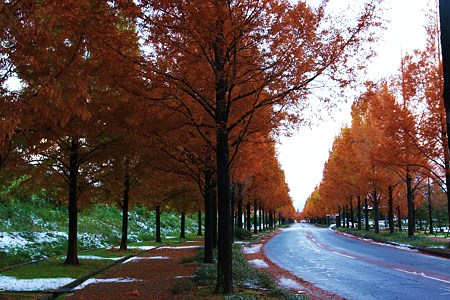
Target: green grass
{"points": [[42, 224], [112, 252], [56, 268], [420, 241]]}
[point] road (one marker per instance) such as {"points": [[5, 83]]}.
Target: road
{"points": [[357, 269]]}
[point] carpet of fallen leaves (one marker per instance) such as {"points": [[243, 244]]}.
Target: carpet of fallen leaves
{"points": [[155, 276]]}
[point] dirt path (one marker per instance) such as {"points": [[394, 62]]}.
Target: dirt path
{"points": [[154, 276]]}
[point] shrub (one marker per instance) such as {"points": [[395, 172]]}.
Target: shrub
{"points": [[242, 234]]}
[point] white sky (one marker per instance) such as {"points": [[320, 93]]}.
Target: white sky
{"points": [[303, 155]]}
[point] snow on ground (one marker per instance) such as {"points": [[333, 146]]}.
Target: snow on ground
{"points": [[11, 240], [179, 247], [437, 247], [258, 263], [107, 280], [33, 243], [97, 257], [10, 283], [252, 249], [289, 283], [395, 245], [241, 242], [141, 247], [145, 258]]}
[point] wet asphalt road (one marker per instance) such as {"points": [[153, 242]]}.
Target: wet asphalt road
{"points": [[357, 269]]}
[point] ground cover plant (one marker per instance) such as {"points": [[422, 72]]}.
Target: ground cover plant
{"points": [[35, 228]]}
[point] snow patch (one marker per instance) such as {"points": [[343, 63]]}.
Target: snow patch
{"points": [[10, 283], [141, 247], [179, 247], [98, 257], [258, 263], [145, 258], [107, 280], [241, 242], [289, 283], [252, 249], [393, 245]]}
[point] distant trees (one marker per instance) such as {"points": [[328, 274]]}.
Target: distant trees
{"points": [[397, 146]]}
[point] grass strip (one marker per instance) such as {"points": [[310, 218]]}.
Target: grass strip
{"points": [[419, 242]]}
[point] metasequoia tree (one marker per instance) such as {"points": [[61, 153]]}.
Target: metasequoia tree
{"points": [[66, 55], [444, 16], [425, 70], [223, 54]]}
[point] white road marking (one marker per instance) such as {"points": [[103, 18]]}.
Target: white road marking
{"points": [[423, 275], [343, 255]]}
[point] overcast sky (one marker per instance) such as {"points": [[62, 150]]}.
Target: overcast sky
{"points": [[303, 155]]}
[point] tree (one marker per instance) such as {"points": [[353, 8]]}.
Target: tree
{"points": [[444, 16], [66, 55], [213, 52]]}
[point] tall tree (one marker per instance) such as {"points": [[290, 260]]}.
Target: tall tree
{"points": [[66, 55], [223, 54], [444, 15]]}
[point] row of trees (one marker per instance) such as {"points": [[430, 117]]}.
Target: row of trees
{"points": [[142, 100], [395, 154]]}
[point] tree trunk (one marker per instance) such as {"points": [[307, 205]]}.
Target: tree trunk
{"points": [[352, 213], [126, 197], [263, 219], [347, 218], [338, 217], [183, 225], [444, 16], [270, 219], [214, 210], [399, 218], [366, 213], [239, 190], [359, 213], [72, 247], [224, 262], [391, 209], [158, 224], [410, 201], [209, 237], [233, 202], [248, 221], [255, 216], [260, 219], [376, 224], [199, 222], [430, 212]]}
